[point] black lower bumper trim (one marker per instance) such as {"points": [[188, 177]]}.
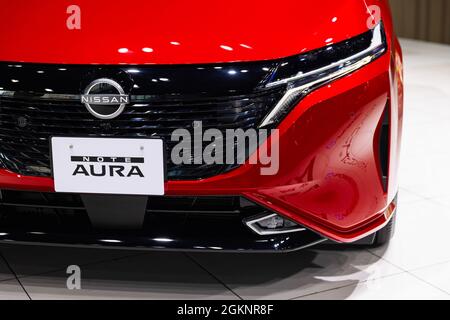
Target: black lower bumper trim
{"points": [[141, 242], [170, 223]]}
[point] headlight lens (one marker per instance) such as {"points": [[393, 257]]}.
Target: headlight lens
{"points": [[306, 72]]}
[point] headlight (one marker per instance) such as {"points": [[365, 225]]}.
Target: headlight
{"points": [[301, 74]]}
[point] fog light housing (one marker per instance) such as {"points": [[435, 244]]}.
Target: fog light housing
{"points": [[272, 224]]}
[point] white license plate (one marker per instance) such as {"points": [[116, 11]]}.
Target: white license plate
{"points": [[108, 165]]}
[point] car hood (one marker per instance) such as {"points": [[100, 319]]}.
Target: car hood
{"points": [[174, 31]]}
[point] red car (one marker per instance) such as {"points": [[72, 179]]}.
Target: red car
{"points": [[95, 97]]}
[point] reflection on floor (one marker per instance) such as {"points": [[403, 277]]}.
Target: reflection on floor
{"points": [[415, 266]]}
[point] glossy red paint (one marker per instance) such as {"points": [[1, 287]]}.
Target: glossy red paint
{"points": [[329, 170], [176, 31]]}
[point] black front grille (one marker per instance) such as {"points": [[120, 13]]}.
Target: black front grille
{"points": [[29, 117], [26, 125]]}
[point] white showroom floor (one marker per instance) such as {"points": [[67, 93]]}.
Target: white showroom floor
{"points": [[416, 265]]}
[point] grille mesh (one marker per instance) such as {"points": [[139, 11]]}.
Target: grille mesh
{"points": [[27, 123]]}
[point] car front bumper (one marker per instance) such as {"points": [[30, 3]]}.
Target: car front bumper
{"points": [[330, 177]]}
